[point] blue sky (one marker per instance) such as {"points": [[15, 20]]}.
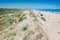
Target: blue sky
{"points": [[36, 4]]}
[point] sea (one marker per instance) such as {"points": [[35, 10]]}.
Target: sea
{"points": [[50, 10]]}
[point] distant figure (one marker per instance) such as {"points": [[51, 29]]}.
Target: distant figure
{"points": [[41, 14]]}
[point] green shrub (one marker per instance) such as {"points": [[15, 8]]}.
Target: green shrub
{"points": [[58, 32], [25, 28], [12, 28], [10, 20], [21, 18], [43, 18]]}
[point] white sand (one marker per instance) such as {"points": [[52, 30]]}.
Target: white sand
{"points": [[48, 29], [52, 25]]}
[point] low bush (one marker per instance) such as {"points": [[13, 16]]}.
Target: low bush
{"points": [[43, 18], [25, 28]]}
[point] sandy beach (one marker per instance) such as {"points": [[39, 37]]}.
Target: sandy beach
{"points": [[37, 25], [50, 28]]}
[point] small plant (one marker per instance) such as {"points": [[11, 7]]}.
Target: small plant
{"points": [[0, 17], [10, 20], [11, 28], [13, 33], [25, 28], [58, 32], [43, 18], [0, 28], [21, 18]]}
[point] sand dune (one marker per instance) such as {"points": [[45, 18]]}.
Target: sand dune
{"points": [[35, 25]]}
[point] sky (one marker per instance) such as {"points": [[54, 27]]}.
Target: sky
{"points": [[34, 4]]}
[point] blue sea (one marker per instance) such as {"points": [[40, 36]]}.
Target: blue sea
{"points": [[50, 10]]}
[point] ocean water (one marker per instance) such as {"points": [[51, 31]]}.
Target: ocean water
{"points": [[50, 10]]}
